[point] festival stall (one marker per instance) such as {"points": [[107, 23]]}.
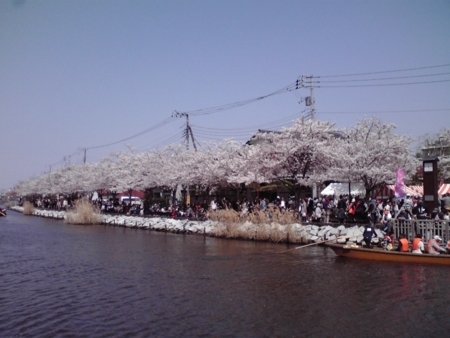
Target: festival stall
{"points": [[444, 189], [337, 189], [388, 191]]}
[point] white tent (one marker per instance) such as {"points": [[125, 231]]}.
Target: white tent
{"points": [[337, 189]]}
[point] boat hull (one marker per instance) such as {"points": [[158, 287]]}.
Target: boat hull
{"points": [[388, 256]]}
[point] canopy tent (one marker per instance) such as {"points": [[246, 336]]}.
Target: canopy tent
{"points": [[386, 192], [389, 191], [337, 189], [134, 193], [106, 194], [444, 189], [416, 190]]}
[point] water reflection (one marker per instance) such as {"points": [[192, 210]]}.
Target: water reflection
{"points": [[61, 280]]}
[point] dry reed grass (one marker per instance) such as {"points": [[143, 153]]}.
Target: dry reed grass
{"points": [[84, 213], [272, 225], [282, 217], [28, 208]]}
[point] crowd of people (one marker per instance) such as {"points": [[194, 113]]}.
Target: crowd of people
{"points": [[383, 211], [375, 212], [350, 209], [323, 209]]}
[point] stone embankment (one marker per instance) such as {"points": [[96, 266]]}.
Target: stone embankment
{"points": [[293, 233]]}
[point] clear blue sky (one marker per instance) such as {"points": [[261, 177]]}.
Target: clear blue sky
{"points": [[76, 74]]}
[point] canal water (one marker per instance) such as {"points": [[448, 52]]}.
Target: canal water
{"points": [[59, 280]]}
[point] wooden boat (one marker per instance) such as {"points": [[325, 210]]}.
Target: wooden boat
{"points": [[378, 254]]}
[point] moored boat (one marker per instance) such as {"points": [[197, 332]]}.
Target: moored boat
{"points": [[378, 254]]}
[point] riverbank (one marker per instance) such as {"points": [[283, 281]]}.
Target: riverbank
{"points": [[292, 233]]}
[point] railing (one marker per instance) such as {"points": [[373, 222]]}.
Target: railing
{"points": [[428, 229]]}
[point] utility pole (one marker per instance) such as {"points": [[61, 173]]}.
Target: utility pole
{"points": [[310, 100], [187, 131], [313, 101], [84, 160]]}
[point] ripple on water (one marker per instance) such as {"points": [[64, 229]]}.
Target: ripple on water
{"points": [[62, 281]]}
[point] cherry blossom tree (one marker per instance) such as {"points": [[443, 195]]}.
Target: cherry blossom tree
{"points": [[103, 176], [371, 153], [128, 171], [298, 155], [444, 158], [307, 153]]}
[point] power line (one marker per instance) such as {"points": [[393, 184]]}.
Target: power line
{"points": [[217, 109], [387, 111], [294, 86], [243, 133], [231, 133], [158, 125], [385, 71], [215, 138], [217, 135], [251, 128], [169, 140], [382, 79], [381, 84]]}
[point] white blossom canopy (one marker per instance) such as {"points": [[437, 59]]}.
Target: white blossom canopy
{"points": [[371, 153], [307, 153]]}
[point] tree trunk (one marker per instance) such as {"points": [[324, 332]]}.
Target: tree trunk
{"points": [[368, 191]]}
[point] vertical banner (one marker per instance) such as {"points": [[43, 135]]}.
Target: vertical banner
{"points": [[399, 184]]}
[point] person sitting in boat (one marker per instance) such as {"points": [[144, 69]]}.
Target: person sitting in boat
{"points": [[386, 243], [367, 234], [434, 247], [403, 244], [417, 245]]}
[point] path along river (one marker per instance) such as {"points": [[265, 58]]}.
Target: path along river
{"points": [[59, 280]]}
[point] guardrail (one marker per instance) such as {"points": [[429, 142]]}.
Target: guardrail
{"points": [[428, 229]]}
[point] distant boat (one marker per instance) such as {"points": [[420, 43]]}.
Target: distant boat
{"points": [[378, 254], [2, 212]]}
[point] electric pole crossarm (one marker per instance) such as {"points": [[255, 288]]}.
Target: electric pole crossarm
{"points": [[188, 130], [309, 101]]}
